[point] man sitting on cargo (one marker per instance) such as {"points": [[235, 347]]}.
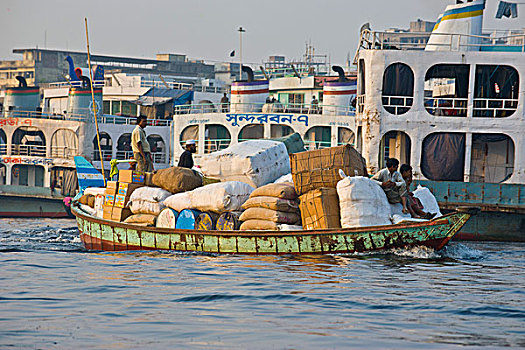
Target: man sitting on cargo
{"points": [[186, 159], [414, 206], [392, 183], [140, 146]]}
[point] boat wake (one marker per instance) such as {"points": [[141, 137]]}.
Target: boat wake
{"points": [[455, 250]]}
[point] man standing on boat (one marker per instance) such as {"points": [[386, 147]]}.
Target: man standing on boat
{"points": [[186, 158], [140, 146], [224, 103], [392, 183]]}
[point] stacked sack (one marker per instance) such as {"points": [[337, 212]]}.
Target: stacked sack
{"points": [[315, 175], [270, 207], [146, 204]]}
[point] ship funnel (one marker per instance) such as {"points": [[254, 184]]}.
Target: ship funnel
{"points": [[249, 73], [21, 81], [339, 70]]}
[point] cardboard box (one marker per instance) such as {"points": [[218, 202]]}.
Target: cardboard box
{"points": [[109, 200], [121, 201], [113, 185], [120, 214], [320, 168], [107, 211], [126, 189], [320, 209], [130, 176]]}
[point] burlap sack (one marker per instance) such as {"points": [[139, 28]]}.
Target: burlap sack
{"points": [[176, 179], [279, 217], [141, 219], [274, 203], [259, 225], [284, 190]]}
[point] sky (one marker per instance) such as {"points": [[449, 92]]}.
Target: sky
{"points": [[208, 29]]}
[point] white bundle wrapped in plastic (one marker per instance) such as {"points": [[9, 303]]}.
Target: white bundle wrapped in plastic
{"points": [[220, 197], [284, 178], [178, 201], [151, 194], [362, 202], [427, 199], [146, 207], [255, 162]]}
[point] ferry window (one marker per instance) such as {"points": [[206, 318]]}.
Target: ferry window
{"points": [[191, 132], [345, 136], [216, 138], [443, 156], [65, 180], [19, 175], [106, 107], [3, 142], [106, 146], [64, 144], [129, 109], [277, 130], [395, 144], [124, 150], [28, 141], [492, 158], [27, 175], [446, 90], [251, 132], [295, 99], [318, 137], [115, 107], [158, 148], [3, 170], [361, 84], [495, 91], [398, 88]]}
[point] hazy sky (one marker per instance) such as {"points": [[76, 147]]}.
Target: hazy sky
{"points": [[207, 29]]}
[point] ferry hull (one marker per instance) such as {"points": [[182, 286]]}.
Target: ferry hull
{"points": [[15, 206], [98, 234]]}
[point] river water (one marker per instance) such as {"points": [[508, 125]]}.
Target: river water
{"points": [[56, 295]]}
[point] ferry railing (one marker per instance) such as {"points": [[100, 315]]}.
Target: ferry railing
{"points": [[376, 40], [158, 157], [397, 103], [446, 106], [277, 107], [28, 150], [3, 148], [106, 155], [63, 152], [313, 145], [45, 115], [121, 155], [121, 120], [494, 107]]}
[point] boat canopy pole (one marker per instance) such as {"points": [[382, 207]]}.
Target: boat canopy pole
{"points": [[94, 104]]}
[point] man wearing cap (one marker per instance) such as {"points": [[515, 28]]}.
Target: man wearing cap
{"points": [[186, 159]]}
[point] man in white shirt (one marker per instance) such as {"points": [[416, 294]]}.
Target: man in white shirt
{"points": [[392, 183], [140, 146]]}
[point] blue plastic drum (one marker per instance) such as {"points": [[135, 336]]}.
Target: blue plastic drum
{"points": [[186, 219]]}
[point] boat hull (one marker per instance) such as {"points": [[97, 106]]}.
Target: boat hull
{"points": [[98, 234], [16, 206]]}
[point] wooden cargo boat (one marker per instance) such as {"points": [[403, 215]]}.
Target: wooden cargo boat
{"points": [[99, 234]]}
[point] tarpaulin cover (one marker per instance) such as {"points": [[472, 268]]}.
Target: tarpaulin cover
{"points": [[443, 156], [156, 96]]}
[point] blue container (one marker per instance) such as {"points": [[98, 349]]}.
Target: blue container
{"points": [[186, 219]]}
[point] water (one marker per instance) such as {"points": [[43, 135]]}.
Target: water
{"points": [[55, 295]]}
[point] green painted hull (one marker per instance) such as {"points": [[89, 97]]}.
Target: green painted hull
{"points": [[98, 234]]}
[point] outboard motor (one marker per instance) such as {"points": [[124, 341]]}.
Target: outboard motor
{"points": [[249, 95], [22, 98], [337, 95]]}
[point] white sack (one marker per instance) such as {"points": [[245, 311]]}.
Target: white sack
{"points": [[362, 203], [220, 197], [151, 194], [88, 209], [397, 219], [284, 178], [95, 190], [287, 227], [430, 204], [178, 201], [146, 207], [99, 205], [255, 162]]}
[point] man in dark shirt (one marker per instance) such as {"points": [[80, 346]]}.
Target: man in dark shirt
{"points": [[186, 159]]}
